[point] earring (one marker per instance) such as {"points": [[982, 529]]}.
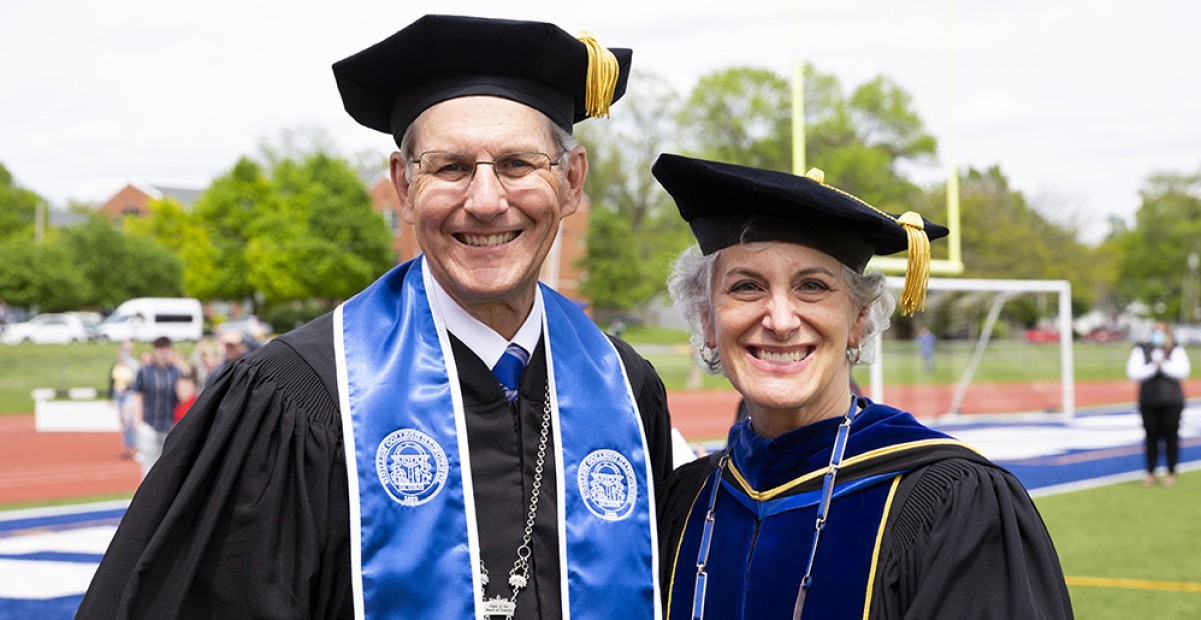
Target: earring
{"points": [[853, 355], [710, 358]]}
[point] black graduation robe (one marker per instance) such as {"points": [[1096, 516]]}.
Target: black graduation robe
{"points": [[246, 515], [961, 537]]}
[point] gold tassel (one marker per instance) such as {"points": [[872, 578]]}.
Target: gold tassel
{"points": [[603, 71], [917, 271]]}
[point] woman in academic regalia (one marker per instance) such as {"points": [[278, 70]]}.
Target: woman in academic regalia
{"points": [[826, 504]]}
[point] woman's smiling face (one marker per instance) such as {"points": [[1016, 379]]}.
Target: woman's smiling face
{"points": [[782, 319]]}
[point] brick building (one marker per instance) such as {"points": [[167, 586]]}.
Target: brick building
{"points": [[134, 199]]}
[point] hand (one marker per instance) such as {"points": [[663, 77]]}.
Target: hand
{"points": [[1157, 356]]}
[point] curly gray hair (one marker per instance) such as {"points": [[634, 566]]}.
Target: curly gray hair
{"points": [[691, 288]]}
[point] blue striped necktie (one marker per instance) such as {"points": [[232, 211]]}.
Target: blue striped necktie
{"points": [[508, 369]]}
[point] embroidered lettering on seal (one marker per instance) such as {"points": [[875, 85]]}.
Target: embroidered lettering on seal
{"points": [[608, 485], [412, 467]]}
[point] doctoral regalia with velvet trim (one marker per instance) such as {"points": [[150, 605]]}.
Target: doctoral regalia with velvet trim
{"points": [[904, 536]]}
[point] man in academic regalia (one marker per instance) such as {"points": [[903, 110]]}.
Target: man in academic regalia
{"points": [[456, 440]]}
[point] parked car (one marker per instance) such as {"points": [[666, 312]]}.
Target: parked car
{"points": [[91, 320], [1105, 334], [47, 328], [1042, 335], [146, 318], [249, 325]]}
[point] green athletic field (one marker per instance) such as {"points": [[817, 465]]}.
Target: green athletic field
{"points": [[1130, 551]]}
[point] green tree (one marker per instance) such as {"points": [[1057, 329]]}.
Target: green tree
{"points": [[118, 266], [319, 236], [18, 207], [617, 278], [1004, 238], [634, 231], [40, 275], [169, 225], [1154, 254], [741, 115], [226, 212]]}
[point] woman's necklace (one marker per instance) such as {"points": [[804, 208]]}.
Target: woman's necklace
{"points": [[823, 510], [519, 576]]}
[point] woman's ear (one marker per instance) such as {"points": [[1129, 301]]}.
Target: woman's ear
{"points": [[707, 328], [855, 337]]}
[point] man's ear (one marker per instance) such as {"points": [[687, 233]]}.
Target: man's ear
{"points": [[577, 171], [398, 166]]}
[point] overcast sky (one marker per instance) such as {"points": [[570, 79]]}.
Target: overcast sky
{"points": [[1078, 101]]}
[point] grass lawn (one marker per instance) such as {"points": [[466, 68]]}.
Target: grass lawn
{"points": [[1145, 536], [24, 367]]}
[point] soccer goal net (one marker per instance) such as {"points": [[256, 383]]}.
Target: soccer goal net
{"points": [[980, 355]]}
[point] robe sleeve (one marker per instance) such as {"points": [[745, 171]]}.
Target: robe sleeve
{"points": [[245, 514], [965, 541]]}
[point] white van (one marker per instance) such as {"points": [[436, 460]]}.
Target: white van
{"points": [[147, 318]]}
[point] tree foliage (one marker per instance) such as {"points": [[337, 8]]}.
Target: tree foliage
{"points": [[617, 277], [40, 275], [116, 267], [1154, 254], [1003, 237], [305, 231], [319, 237], [634, 229], [740, 115], [226, 211], [18, 207]]}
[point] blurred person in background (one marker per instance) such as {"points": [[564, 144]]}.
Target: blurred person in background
{"points": [[120, 382], [206, 358], [185, 396], [925, 345], [154, 401], [235, 345], [1159, 365]]}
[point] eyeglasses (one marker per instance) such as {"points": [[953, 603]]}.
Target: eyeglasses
{"points": [[513, 170]]}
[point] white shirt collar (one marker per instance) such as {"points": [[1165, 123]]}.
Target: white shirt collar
{"points": [[481, 339]]}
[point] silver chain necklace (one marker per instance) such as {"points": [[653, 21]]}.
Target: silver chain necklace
{"points": [[519, 576], [823, 510]]}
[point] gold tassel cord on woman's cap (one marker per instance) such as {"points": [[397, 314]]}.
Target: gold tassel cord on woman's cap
{"points": [[917, 271], [603, 71]]}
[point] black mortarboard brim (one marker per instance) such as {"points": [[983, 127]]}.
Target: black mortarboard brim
{"points": [[440, 57], [727, 204]]}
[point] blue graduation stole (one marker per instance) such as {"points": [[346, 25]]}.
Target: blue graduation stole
{"points": [[414, 539]]}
